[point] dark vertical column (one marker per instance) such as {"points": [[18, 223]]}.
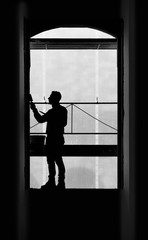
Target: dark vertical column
{"points": [[26, 101]]}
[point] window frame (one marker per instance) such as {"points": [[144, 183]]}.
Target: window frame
{"points": [[76, 43]]}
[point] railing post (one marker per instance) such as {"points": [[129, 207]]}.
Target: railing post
{"points": [[72, 118]]}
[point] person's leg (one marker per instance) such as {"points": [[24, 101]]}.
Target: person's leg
{"points": [[61, 169], [51, 163], [50, 184], [51, 169], [51, 166]]}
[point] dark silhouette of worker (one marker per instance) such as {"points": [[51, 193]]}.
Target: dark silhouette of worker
{"points": [[56, 119]]}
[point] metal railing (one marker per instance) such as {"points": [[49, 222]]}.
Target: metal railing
{"points": [[72, 106]]}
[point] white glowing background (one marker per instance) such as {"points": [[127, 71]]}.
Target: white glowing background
{"points": [[81, 76]]}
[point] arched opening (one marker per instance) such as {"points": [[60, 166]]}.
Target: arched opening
{"points": [[81, 63], [73, 32]]}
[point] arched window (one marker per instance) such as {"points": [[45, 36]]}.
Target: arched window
{"points": [[75, 32], [81, 63]]}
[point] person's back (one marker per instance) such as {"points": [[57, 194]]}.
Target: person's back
{"points": [[56, 121]]}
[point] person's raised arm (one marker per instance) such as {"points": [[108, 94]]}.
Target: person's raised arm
{"points": [[40, 118]]}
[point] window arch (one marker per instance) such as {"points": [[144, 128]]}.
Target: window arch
{"points": [[73, 32]]}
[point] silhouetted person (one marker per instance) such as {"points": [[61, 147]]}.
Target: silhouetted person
{"points": [[56, 119]]}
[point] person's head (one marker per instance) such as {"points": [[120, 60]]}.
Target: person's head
{"points": [[55, 97]]}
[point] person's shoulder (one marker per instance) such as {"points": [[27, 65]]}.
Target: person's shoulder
{"points": [[63, 108]]}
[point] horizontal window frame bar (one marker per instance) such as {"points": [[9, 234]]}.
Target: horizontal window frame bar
{"points": [[57, 43], [82, 151], [77, 133], [72, 103]]}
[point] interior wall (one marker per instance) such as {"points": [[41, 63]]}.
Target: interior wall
{"points": [[115, 10], [21, 195], [133, 159], [125, 215]]}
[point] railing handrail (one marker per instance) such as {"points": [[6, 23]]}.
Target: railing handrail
{"points": [[79, 133], [71, 103], [74, 104]]}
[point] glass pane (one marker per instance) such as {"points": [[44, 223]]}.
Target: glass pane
{"points": [[107, 75], [84, 121], [90, 139], [38, 171], [80, 75], [73, 33], [107, 172], [81, 172], [91, 172], [108, 118], [72, 72]]}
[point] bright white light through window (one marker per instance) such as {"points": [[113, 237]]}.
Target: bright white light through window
{"points": [[72, 33], [81, 76]]}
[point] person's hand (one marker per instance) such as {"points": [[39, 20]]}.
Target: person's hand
{"points": [[30, 98], [32, 105]]}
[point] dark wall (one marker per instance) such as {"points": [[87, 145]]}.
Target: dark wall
{"points": [[132, 194], [93, 212]]}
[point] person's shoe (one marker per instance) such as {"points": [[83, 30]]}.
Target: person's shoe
{"points": [[49, 185], [60, 185]]}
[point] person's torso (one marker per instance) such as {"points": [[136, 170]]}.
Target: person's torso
{"points": [[55, 121]]}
